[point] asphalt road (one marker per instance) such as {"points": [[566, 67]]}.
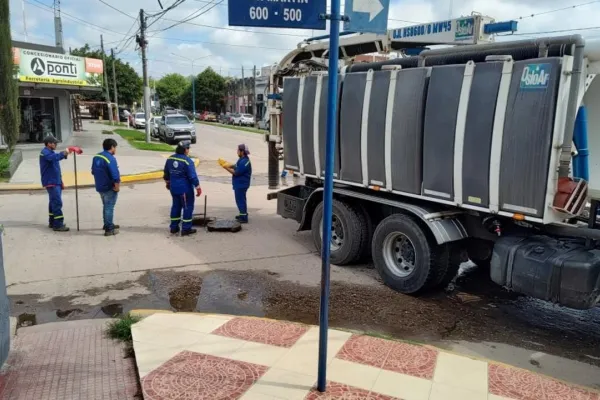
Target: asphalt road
{"points": [[267, 269]]}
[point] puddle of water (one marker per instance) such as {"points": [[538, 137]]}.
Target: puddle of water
{"points": [[474, 310]]}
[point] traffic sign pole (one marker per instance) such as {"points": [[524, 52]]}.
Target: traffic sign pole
{"points": [[334, 39]]}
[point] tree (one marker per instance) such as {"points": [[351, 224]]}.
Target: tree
{"points": [[9, 90], [170, 89], [210, 91], [129, 83]]}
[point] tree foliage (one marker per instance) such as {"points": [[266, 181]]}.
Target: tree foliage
{"points": [[129, 83], [170, 89], [210, 92], [9, 90]]}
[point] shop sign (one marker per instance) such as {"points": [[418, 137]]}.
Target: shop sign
{"points": [[57, 69]]}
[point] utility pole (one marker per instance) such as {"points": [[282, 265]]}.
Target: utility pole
{"points": [[58, 31], [110, 116], [243, 91], [112, 54], [24, 21], [142, 42], [254, 103]]}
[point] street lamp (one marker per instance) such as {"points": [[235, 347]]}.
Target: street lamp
{"points": [[193, 81]]}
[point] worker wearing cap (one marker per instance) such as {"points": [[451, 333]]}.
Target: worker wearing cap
{"points": [[181, 179], [241, 175], [52, 181], [108, 183]]}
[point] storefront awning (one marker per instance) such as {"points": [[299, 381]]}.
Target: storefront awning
{"points": [[70, 88]]}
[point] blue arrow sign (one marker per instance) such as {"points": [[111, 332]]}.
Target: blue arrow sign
{"points": [[367, 16], [298, 14]]}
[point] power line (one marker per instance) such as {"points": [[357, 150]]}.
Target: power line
{"points": [[116, 9], [591, 28], [558, 9], [192, 16]]}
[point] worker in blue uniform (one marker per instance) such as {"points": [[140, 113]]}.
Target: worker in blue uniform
{"points": [[181, 179], [52, 181], [241, 175], [108, 183]]}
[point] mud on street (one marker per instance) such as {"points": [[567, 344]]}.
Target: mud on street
{"points": [[472, 310]]}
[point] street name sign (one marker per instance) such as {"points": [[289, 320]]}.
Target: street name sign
{"points": [[366, 16], [296, 14]]}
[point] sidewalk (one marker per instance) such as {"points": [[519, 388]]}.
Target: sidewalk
{"points": [[134, 165], [68, 360], [223, 357]]}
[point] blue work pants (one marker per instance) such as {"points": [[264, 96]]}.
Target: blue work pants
{"points": [[183, 202], [55, 214], [242, 205]]}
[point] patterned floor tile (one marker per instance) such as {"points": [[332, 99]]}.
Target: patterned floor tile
{"points": [[523, 385], [275, 333], [392, 356], [338, 391], [191, 375]]}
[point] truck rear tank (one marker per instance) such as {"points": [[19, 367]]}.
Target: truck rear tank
{"points": [[458, 153]]}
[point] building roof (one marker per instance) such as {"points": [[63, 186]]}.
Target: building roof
{"points": [[38, 47]]}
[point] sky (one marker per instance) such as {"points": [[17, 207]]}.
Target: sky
{"points": [[210, 41]]}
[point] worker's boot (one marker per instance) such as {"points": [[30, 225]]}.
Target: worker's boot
{"points": [[63, 228], [188, 232], [174, 231], [111, 233], [116, 227]]}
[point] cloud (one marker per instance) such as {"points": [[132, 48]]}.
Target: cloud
{"points": [[227, 48]]}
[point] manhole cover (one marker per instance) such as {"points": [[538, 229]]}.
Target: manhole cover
{"points": [[223, 225]]}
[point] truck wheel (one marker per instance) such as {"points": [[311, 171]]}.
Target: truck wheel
{"points": [[365, 247], [447, 266], [348, 230], [405, 258]]}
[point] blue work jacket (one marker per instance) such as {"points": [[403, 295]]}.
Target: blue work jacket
{"points": [[106, 171], [50, 167], [242, 173], [180, 172]]}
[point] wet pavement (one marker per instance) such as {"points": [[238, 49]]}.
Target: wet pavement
{"points": [[472, 310]]}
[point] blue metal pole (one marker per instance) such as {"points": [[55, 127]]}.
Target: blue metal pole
{"points": [[580, 137], [332, 99]]}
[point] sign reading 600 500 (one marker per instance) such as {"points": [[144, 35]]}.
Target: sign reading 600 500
{"points": [[299, 14]]}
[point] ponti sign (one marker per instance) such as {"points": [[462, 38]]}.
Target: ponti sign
{"points": [[57, 69]]}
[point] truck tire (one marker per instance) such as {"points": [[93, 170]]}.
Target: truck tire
{"points": [[365, 247], [405, 257], [447, 267], [348, 232]]}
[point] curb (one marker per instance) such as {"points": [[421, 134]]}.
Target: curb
{"points": [[143, 313], [142, 177]]}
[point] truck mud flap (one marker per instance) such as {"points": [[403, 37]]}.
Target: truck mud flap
{"points": [[561, 271]]}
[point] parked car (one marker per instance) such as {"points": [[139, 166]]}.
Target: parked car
{"points": [[229, 120], [223, 118], [139, 120], [154, 125], [123, 114], [208, 116], [176, 127], [243, 120], [264, 123]]}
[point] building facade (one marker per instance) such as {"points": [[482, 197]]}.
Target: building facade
{"points": [[48, 77]]}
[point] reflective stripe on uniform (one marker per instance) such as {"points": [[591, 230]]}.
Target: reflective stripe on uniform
{"points": [[187, 220], [59, 217], [179, 159], [247, 164], [175, 219], [102, 157]]}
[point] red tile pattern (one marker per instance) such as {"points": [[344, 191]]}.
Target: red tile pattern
{"points": [[275, 333], [197, 376], [74, 362], [519, 384], [393, 356], [338, 391]]}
